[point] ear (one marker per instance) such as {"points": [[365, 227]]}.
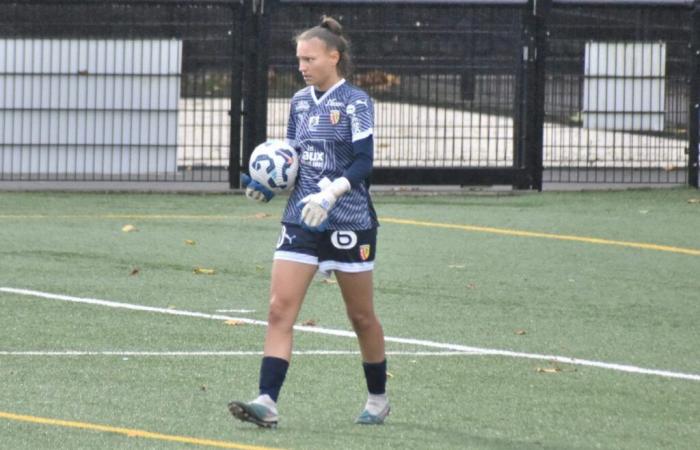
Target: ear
{"points": [[334, 55]]}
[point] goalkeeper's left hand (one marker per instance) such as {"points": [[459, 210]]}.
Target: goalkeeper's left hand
{"points": [[314, 215], [256, 191]]}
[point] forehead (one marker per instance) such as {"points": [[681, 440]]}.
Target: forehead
{"points": [[310, 46]]}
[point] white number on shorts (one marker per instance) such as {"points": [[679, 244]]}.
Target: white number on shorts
{"points": [[344, 240]]}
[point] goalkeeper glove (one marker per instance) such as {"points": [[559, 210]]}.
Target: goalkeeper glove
{"points": [[314, 215], [256, 191]]}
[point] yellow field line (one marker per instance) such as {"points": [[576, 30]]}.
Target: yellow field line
{"points": [[560, 237], [128, 432], [123, 216], [473, 228]]}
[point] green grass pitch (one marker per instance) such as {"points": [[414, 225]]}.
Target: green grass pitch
{"points": [[594, 301]]}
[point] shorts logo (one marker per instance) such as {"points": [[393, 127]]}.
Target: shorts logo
{"points": [[365, 251], [285, 237], [343, 240], [335, 116]]}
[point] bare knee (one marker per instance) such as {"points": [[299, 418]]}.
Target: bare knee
{"points": [[362, 321], [282, 312]]}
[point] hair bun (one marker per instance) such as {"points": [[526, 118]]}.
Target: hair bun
{"points": [[331, 25]]}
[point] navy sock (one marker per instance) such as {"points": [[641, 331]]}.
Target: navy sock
{"points": [[272, 373], [375, 374]]}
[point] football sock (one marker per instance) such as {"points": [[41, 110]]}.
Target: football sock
{"points": [[272, 373], [375, 374], [376, 403]]}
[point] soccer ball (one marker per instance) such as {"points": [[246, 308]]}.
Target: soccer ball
{"points": [[274, 164]]}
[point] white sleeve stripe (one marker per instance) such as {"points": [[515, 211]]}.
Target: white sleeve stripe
{"points": [[362, 135]]}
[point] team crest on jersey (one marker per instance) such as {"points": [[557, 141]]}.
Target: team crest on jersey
{"points": [[302, 105], [313, 122], [365, 250], [335, 116]]}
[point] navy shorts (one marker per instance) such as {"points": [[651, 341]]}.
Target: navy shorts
{"points": [[344, 251]]}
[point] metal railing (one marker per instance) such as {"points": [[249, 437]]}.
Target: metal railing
{"points": [[518, 92]]}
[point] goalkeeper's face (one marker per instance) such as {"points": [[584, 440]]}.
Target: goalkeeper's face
{"points": [[317, 63]]}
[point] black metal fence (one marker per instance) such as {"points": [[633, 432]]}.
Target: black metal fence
{"points": [[120, 90], [518, 92]]}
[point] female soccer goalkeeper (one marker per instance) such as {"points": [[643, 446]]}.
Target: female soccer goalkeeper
{"points": [[329, 223]]}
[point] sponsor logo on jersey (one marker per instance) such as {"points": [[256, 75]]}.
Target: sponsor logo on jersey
{"points": [[313, 122], [365, 251], [335, 103], [302, 105], [312, 157], [350, 110], [335, 116], [355, 125]]}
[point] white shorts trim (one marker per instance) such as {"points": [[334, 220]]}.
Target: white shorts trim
{"points": [[328, 266], [296, 257]]}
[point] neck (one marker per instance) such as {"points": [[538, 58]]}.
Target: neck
{"points": [[323, 87]]}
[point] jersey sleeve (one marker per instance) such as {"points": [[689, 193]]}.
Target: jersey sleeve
{"points": [[361, 113], [291, 127]]}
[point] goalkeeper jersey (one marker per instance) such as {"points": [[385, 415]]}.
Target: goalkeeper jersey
{"points": [[322, 131]]}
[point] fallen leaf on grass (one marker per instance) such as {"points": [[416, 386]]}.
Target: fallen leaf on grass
{"points": [[234, 322], [135, 271], [389, 375], [328, 281], [471, 286], [203, 387], [694, 200], [203, 271], [548, 370], [520, 332], [259, 268], [309, 323], [261, 215], [189, 242], [129, 228], [457, 266]]}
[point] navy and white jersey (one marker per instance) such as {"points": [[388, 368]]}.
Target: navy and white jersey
{"points": [[323, 131]]}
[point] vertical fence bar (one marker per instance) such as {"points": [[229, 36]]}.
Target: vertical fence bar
{"points": [[234, 156], [255, 79], [694, 97], [531, 95]]}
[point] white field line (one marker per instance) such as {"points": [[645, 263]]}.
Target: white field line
{"points": [[239, 311], [350, 334], [216, 353]]}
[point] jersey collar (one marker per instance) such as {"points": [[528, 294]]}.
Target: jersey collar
{"points": [[327, 93]]}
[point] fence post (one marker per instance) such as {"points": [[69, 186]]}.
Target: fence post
{"points": [[531, 94], [235, 113], [694, 97], [255, 89]]}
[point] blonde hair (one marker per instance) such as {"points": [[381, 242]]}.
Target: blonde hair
{"points": [[331, 33]]}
